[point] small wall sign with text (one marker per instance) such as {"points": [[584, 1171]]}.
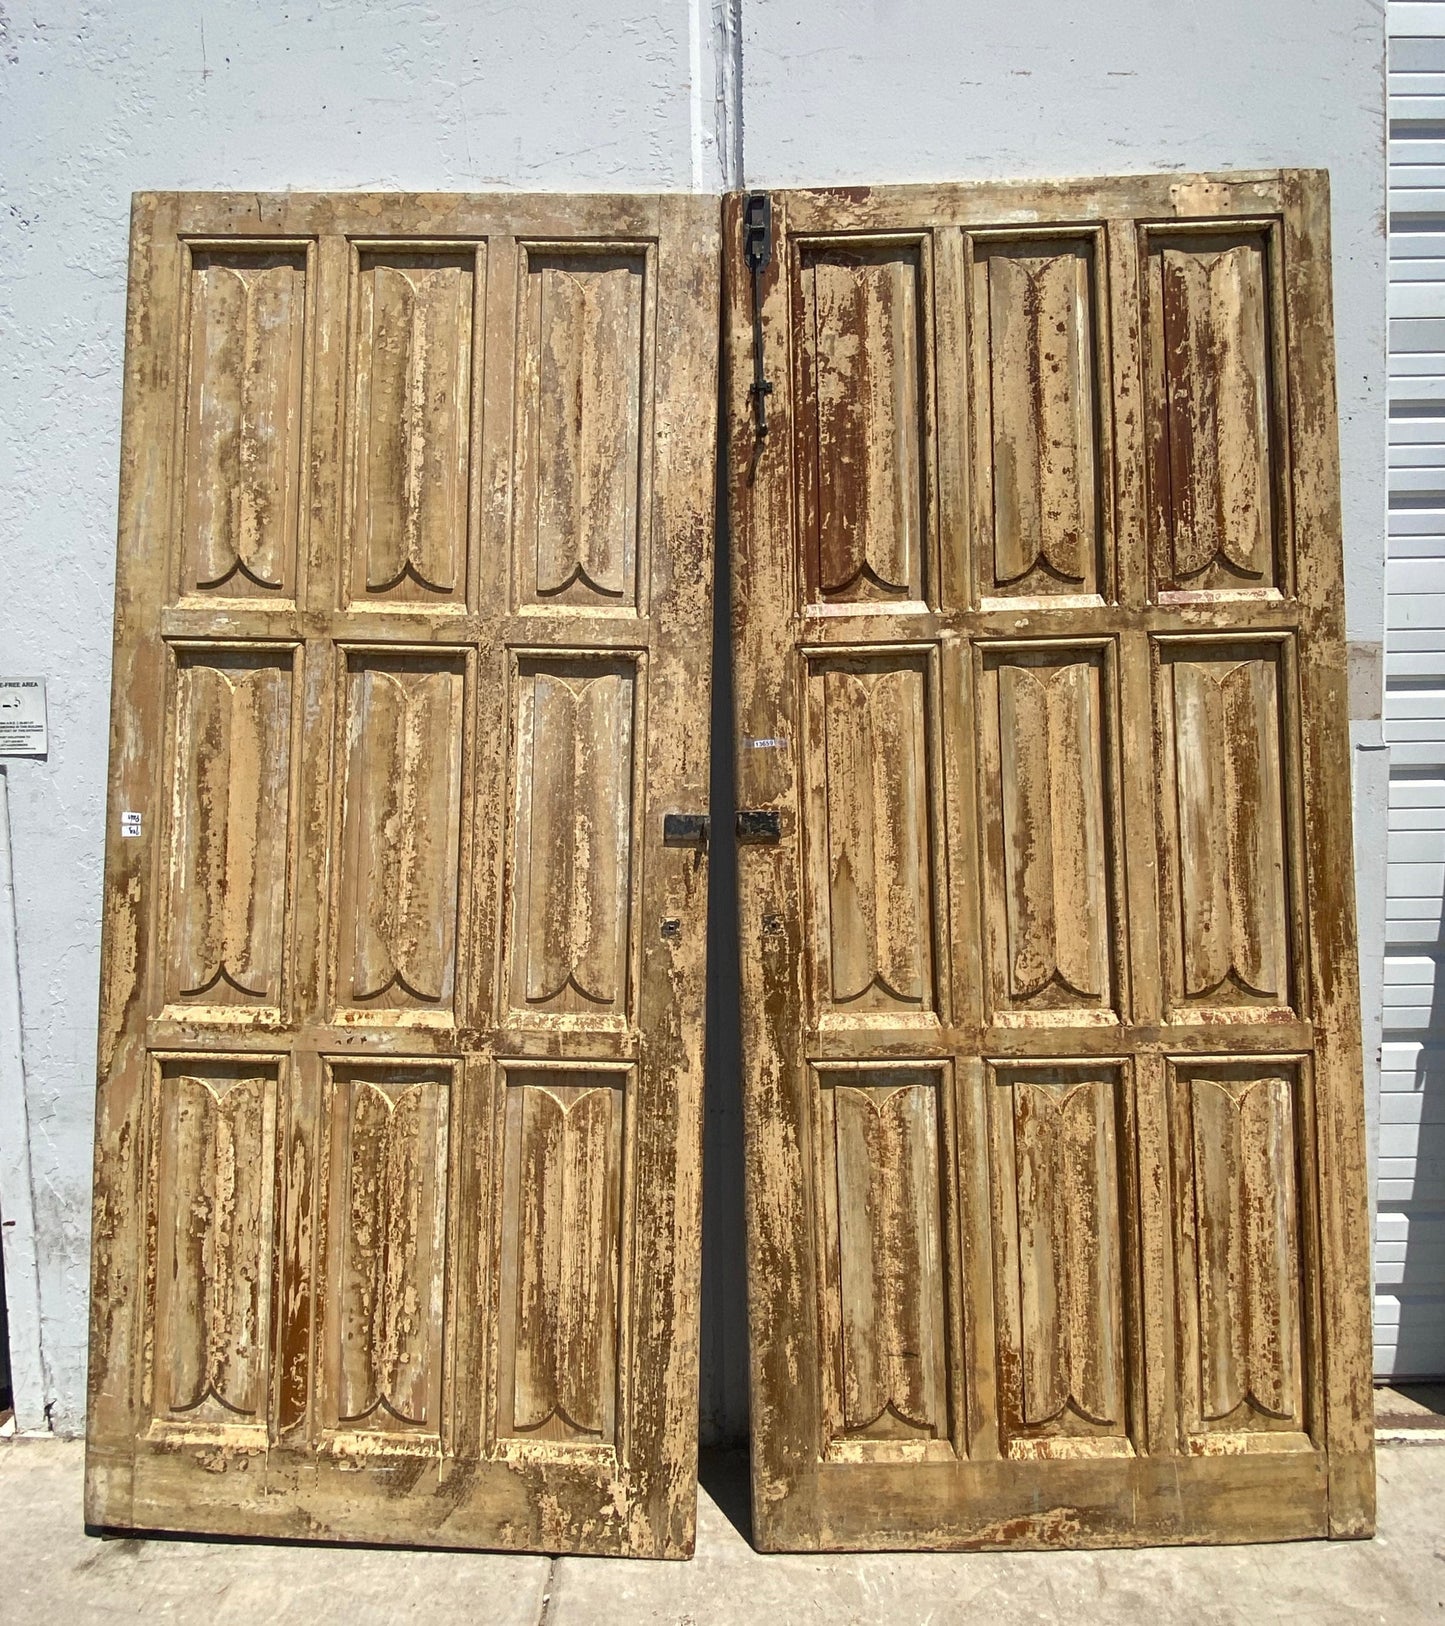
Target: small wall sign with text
{"points": [[22, 717]]}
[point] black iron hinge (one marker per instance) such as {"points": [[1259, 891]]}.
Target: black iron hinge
{"points": [[758, 251]]}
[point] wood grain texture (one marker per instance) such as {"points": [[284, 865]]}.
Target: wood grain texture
{"points": [[215, 1128], [561, 1265], [1237, 1196], [411, 421], [1131, 781], [582, 377], [886, 1258], [1035, 363], [1221, 749], [229, 820], [402, 832], [573, 835], [862, 403], [1058, 1138], [385, 1228], [401, 806], [872, 765], [240, 489], [1045, 792], [1210, 331]]}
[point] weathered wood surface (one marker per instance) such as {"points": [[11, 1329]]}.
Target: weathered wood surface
{"points": [[398, 1154], [1056, 1177]]}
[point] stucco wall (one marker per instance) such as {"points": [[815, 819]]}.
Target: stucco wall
{"points": [[99, 99]]}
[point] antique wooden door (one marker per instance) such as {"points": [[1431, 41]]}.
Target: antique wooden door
{"points": [[1057, 1221], [397, 1184]]}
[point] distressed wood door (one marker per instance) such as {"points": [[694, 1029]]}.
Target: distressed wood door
{"points": [[1056, 1179], [397, 1171]]}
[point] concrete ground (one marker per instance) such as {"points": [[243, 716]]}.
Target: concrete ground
{"points": [[52, 1572], [1410, 1412]]}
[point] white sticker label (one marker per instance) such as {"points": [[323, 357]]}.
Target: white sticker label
{"points": [[22, 718], [130, 824], [775, 744]]}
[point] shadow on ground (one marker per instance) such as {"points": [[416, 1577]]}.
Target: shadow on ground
{"points": [[723, 1474]]}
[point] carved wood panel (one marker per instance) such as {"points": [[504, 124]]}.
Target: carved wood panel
{"points": [[1059, 1136], [1237, 1206], [581, 425], [240, 490], [401, 833], [215, 1198], [561, 1255], [572, 837], [1220, 503], [863, 404], [1042, 492], [385, 1225], [411, 426], [881, 1179], [229, 820], [873, 872], [1050, 815], [1221, 749], [1039, 670], [400, 1056]]}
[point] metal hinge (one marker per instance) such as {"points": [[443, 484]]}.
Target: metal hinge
{"points": [[758, 251]]}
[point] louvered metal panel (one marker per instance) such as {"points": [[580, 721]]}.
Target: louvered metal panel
{"points": [[1410, 1226]]}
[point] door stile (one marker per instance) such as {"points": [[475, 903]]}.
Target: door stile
{"points": [[494, 721], [1149, 1215], [786, 1417], [295, 1420], [959, 496], [1334, 975], [980, 1274], [972, 1333], [119, 1358], [671, 920]]}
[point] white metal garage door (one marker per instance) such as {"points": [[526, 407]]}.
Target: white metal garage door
{"points": [[1410, 1233]]}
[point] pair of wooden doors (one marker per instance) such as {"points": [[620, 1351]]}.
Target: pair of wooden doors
{"points": [[1051, 1058]]}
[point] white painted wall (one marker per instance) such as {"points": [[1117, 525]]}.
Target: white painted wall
{"points": [[98, 100]]}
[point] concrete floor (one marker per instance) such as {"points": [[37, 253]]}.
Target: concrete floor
{"points": [[52, 1572], [1410, 1412]]}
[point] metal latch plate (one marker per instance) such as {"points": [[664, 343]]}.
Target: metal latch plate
{"points": [[684, 829], [760, 824]]}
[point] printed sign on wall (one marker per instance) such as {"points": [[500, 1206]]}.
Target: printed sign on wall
{"points": [[22, 717]]}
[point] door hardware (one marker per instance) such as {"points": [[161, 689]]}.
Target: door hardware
{"points": [[684, 829], [758, 251], [760, 825]]}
